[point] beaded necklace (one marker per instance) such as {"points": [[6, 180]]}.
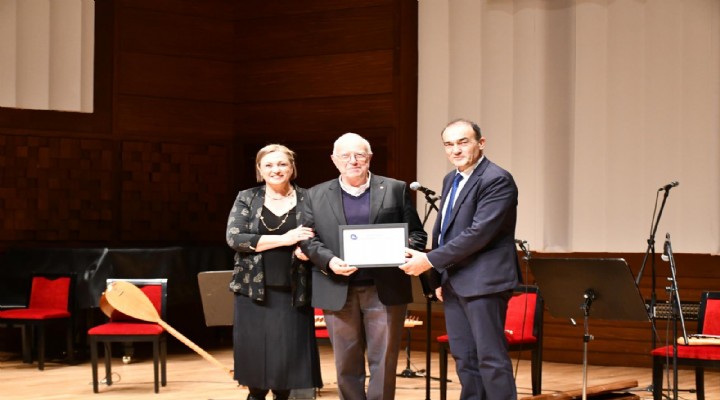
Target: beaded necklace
{"points": [[285, 217], [262, 219]]}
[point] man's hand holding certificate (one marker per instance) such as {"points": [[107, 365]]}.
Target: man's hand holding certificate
{"points": [[416, 262], [340, 267]]}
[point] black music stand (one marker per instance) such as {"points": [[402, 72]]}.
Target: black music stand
{"points": [[217, 300], [573, 287]]}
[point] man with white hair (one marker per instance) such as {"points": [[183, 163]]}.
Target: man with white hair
{"points": [[364, 308]]}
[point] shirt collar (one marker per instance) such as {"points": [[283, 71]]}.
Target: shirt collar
{"points": [[355, 191]]}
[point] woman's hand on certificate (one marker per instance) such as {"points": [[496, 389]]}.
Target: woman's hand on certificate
{"points": [[416, 262], [340, 267]]}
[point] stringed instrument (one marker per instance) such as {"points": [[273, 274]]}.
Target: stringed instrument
{"points": [[700, 340], [130, 300], [410, 322]]}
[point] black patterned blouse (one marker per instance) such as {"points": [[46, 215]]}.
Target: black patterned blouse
{"points": [[242, 236]]}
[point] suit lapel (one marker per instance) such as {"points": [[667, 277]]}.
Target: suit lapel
{"points": [[473, 180], [377, 195], [334, 199]]}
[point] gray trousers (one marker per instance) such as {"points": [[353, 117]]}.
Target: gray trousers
{"points": [[364, 323]]}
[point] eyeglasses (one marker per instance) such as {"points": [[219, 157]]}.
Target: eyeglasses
{"points": [[345, 157]]}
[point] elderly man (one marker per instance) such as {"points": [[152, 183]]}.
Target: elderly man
{"points": [[364, 308]]}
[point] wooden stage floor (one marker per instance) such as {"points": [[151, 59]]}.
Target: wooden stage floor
{"points": [[192, 377]]}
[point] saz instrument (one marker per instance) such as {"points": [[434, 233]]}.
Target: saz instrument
{"points": [[130, 300], [410, 322], [700, 340]]}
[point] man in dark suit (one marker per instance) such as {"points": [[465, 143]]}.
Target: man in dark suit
{"points": [[364, 308], [474, 253]]}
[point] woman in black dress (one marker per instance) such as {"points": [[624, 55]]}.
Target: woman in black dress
{"points": [[273, 331]]}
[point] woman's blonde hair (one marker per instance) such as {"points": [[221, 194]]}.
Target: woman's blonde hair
{"points": [[271, 148]]}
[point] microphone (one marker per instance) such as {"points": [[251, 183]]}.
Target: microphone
{"points": [[420, 188], [666, 252], [669, 186], [521, 243]]}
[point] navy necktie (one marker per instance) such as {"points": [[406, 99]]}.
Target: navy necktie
{"points": [[449, 207]]}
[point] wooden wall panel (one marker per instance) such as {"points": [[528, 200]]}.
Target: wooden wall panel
{"points": [[325, 68], [325, 32], [316, 118], [251, 9], [173, 119], [310, 77], [163, 32], [174, 113], [217, 9], [175, 77], [174, 192], [56, 189], [186, 92]]}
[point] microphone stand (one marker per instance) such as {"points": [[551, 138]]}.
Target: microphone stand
{"points": [[429, 294], [651, 250], [431, 202], [676, 311], [589, 297]]}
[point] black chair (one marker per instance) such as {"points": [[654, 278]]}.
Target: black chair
{"points": [[50, 301], [700, 356], [125, 329]]}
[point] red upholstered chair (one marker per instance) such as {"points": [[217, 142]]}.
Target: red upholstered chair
{"points": [[321, 331], [523, 331], [126, 329], [700, 356], [50, 301]]}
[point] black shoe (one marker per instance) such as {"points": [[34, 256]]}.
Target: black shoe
{"points": [[281, 394], [257, 394]]}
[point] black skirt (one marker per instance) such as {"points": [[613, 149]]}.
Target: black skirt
{"points": [[274, 343]]}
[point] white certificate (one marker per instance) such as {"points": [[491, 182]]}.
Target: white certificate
{"points": [[380, 245]]}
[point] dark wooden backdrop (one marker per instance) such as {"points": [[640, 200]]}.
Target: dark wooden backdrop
{"points": [[186, 92]]}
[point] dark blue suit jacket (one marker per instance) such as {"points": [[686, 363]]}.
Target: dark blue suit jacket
{"points": [[479, 255]]}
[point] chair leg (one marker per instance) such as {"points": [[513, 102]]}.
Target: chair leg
{"points": [[657, 377], [108, 363], [41, 346], [27, 335], [70, 343], [700, 383], [156, 359], [163, 361], [536, 371], [94, 363], [443, 370]]}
